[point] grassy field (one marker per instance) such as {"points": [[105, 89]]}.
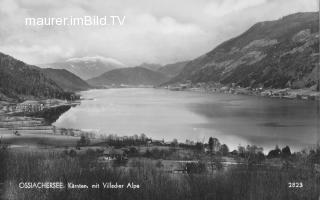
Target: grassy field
{"points": [[239, 182]]}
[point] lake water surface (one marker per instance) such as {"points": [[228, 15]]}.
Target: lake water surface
{"points": [[164, 114]]}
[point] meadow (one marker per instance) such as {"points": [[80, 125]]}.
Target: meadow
{"points": [[243, 182]]}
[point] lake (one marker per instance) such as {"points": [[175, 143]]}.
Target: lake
{"points": [[165, 114]]}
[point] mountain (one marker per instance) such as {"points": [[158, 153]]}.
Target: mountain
{"points": [[277, 54], [66, 80], [86, 67], [129, 76], [19, 80], [151, 66], [172, 70]]}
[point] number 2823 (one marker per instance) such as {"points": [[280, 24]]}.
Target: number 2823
{"points": [[295, 184]]}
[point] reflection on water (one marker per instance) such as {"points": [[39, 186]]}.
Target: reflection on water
{"points": [[166, 114]]}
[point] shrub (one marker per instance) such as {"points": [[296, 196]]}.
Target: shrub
{"points": [[133, 151], [286, 152], [84, 141], [275, 153], [224, 150]]}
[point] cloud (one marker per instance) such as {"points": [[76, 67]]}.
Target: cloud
{"points": [[224, 7], [154, 31], [94, 59]]}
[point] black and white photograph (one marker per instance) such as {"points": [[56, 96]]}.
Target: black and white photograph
{"points": [[159, 100]]}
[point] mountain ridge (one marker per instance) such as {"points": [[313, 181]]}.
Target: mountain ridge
{"points": [[129, 76], [280, 53], [66, 80], [172, 69], [19, 80], [86, 67]]}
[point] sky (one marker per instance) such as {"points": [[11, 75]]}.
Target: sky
{"points": [[154, 31]]}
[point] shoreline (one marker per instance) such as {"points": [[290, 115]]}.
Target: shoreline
{"points": [[284, 93], [32, 123], [31, 116]]}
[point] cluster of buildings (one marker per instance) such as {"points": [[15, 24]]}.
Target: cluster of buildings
{"points": [[304, 94], [32, 106], [23, 108]]}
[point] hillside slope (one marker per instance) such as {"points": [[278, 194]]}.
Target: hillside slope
{"points": [[151, 66], [66, 80], [277, 54], [19, 80], [172, 70]]}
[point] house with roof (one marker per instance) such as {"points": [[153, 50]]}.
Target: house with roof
{"points": [[113, 154]]}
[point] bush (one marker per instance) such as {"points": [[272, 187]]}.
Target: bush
{"points": [[276, 153], [84, 141], [314, 156], [256, 158], [286, 152], [224, 150], [133, 151]]}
